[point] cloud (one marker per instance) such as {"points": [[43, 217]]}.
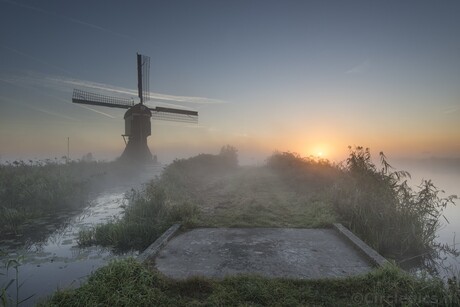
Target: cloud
{"points": [[46, 111], [360, 68], [26, 55], [97, 111], [133, 93], [67, 84], [48, 84], [451, 110]]}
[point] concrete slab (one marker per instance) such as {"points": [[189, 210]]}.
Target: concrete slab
{"points": [[270, 252]]}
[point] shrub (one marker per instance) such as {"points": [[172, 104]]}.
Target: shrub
{"points": [[303, 173], [379, 205]]}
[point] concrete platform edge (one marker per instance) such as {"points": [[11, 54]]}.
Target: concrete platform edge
{"points": [[374, 257], [154, 248]]}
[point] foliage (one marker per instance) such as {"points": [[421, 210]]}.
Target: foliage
{"points": [[169, 200], [148, 215], [33, 189], [303, 173], [127, 283], [229, 156], [379, 206], [375, 203]]}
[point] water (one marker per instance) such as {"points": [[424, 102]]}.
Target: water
{"points": [[447, 179], [56, 261]]}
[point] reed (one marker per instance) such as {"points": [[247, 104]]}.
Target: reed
{"points": [[378, 205], [37, 188]]}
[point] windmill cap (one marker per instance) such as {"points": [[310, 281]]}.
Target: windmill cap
{"points": [[138, 109]]}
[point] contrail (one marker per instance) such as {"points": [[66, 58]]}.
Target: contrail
{"points": [[45, 111], [35, 59], [55, 97], [100, 112]]}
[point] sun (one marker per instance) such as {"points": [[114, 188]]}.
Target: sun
{"points": [[319, 151]]}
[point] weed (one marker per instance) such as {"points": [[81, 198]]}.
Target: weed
{"points": [[128, 283], [5, 298], [147, 216], [381, 208], [34, 189]]}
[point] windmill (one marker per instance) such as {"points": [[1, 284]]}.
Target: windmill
{"points": [[137, 118]]}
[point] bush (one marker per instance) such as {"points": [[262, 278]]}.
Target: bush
{"points": [[379, 206], [304, 174]]}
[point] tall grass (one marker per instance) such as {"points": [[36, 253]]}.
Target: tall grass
{"points": [[305, 174], [163, 202], [374, 202], [33, 189], [148, 215], [379, 205]]}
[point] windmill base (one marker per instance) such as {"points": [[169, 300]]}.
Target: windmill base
{"points": [[136, 151]]}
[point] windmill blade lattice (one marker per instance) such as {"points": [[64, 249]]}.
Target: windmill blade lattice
{"points": [[137, 117], [178, 115], [143, 77], [84, 97]]}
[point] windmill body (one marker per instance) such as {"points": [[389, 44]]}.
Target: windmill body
{"points": [[137, 129], [137, 117]]}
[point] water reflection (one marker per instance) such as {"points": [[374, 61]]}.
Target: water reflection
{"points": [[49, 254]]}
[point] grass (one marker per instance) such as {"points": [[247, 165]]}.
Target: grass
{"points": [[258, 197], [128, 283], [212, 191], [375, 202], [289, 191], [162, 203], [149, 214], [35, 189], [379, 206]]}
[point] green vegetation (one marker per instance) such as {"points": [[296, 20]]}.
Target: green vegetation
{"points": [[161, 204], [380, 207], [290, 191], [35, 189], [5, 299], [149, 214], [127, 283], [258, 197], [375, 203]]}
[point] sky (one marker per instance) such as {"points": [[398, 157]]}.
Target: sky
{"points": [[311, 77]]}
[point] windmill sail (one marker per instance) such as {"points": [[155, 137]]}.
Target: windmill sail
{"points": [[137, 117], [84, 97], [143, 77], [171, 114]]}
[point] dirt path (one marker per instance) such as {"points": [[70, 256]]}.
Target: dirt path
{"points": [[257, 197]]}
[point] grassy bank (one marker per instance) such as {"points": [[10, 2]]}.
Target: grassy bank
{"points": [[35, 189], [211, 191], [163, 202], [374, 201], [290, 191], [127, 283]]}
